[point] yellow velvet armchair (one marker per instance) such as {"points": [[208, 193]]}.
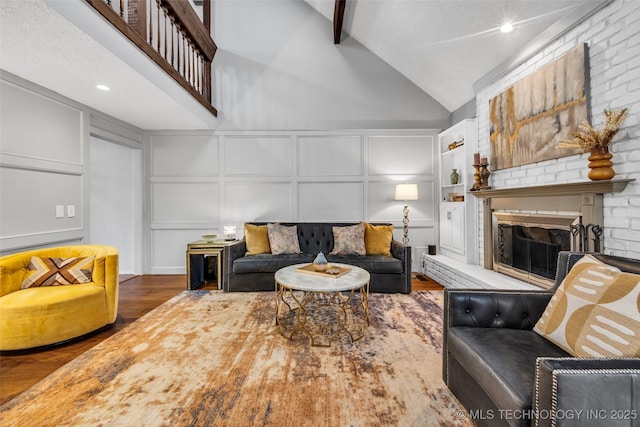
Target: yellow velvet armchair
{"points": [[44, 315]]}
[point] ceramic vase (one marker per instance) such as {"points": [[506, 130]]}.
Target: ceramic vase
{"points": [[454, 177], [320, 262], [600, 164]]}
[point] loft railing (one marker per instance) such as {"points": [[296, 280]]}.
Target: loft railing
{"points": [[172, 35]]}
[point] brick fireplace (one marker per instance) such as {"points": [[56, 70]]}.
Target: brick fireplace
{"points": [[557, 217]]}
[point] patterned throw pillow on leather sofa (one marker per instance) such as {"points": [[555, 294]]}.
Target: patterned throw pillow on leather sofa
{"points": [[283, 240], [594, 312], [349, 240]]}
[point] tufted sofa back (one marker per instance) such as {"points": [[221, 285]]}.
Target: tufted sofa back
{"points": [[567, 259], [315, 237]]}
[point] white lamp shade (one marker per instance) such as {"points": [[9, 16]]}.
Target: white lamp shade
{"points": [[406, 192]]}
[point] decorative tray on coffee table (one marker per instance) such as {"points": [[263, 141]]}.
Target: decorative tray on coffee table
{"points": [[332, 271]]}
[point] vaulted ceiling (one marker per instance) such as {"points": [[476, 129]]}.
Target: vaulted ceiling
{"points": [[447, 46]]}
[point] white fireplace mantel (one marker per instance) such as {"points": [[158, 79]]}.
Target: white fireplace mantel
{"points": [[585, 198], [572, 188]]}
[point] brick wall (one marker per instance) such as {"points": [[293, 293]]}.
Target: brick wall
{"points": [[613, 38]]}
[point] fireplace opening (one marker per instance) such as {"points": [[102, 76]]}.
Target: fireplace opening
{"points": [[526, 246], [532, 249]]}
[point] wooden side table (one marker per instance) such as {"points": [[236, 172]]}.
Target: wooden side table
{"points": [[197, 263]]}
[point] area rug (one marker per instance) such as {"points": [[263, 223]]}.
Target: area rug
{"points": [[216, 359]]}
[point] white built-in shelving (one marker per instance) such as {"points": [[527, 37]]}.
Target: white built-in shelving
{"points": [[457, 221]]}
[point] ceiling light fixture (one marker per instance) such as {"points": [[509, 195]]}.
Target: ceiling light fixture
{"points": [[103, 87], [507, 27]]}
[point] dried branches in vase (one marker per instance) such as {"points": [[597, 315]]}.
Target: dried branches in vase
{"points": [[589, 138], [597, 141]]}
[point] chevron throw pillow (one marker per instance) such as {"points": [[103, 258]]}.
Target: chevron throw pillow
{"points": [[58, 271]]}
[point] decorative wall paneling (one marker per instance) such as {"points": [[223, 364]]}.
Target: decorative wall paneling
{"points": [[258, 155], [45, 162], [41, 166], [263, 200], [201, 181], [53, 130]]}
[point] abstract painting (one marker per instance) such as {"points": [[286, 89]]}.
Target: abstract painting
{"points": [[528, 120]]}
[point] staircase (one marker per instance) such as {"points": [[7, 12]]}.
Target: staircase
{"points": [[172, 34]]}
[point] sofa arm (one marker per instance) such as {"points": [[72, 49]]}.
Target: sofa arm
{"points": [[586, 392], [236, 250], [402, 252], [485, 308], [13, 269], [232, 252]]}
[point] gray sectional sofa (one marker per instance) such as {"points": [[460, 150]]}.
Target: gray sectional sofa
{"points": [[505, 374], [255, 272]]}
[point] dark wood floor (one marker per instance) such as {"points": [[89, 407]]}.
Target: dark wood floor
{"points": [[19, 370]]}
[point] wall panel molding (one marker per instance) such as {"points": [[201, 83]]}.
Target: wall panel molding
{"points": [[13, 244], [198, 156], [255, 200], [53, 130], [287, 176], [258, 155], [401, 154], [31, 163], [330, 155], [330, 201], [115, 131], [185, 202]]}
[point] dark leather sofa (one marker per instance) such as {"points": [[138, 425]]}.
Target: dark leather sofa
{"points": [[505, 374], [255, 272]]}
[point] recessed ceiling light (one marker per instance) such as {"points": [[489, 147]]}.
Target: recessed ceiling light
{"points": [[507, 27], [103, 87]]}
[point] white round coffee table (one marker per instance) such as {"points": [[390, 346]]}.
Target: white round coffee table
{"points": [[322, 307]]}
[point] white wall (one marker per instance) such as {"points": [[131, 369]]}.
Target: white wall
{"points": [[202, 181], [614, 55], [42, 164], [277, 68], [45, 162]]}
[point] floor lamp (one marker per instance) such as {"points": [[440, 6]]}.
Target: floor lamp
{"points": [[406, 192]]}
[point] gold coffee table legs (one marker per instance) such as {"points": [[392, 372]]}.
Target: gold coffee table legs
{"points": [[322, 316]]}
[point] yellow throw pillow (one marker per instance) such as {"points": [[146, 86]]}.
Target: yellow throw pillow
{"points": [[257, 239], [594, 312], [377, 239]]}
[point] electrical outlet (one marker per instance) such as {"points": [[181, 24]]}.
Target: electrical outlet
{"points": [[59, 211], [71, 211]]}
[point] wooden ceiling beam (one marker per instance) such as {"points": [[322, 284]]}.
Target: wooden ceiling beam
{"points": [[338, 19]]}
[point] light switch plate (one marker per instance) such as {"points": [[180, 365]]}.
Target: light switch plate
{"points": [[71, 211], [59, 211]]}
